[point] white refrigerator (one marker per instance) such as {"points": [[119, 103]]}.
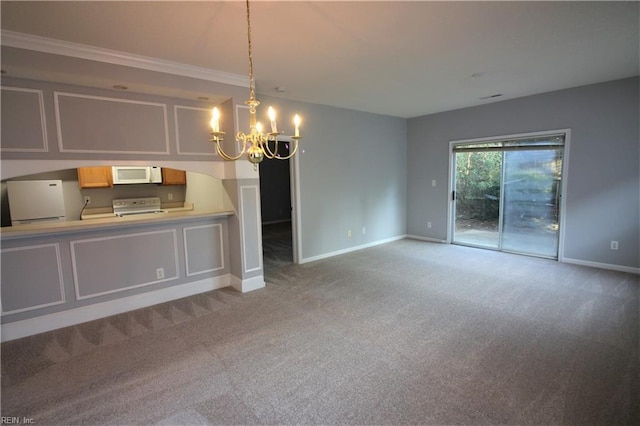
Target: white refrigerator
{"points": [[35, 201]]}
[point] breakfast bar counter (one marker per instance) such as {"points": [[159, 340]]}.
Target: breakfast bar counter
{"points": [[67, 272], [105, 221]]}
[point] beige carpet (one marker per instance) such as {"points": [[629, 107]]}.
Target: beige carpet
{"points": [[404, 333]]}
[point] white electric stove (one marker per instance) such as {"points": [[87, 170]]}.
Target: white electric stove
{"points": [[133, 206]]}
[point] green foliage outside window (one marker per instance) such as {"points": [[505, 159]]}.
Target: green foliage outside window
{"points": [[478, 177]]}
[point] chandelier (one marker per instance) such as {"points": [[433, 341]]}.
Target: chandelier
{"points": [[256, 144]]}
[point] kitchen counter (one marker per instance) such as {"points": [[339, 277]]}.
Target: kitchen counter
{"points": [[107, 220]]}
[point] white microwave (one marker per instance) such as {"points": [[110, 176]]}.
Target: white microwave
{"points": [[123, 175]]}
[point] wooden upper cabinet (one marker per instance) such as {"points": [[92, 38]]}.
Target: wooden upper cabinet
{"points": [[95, 177], [173, 177]]}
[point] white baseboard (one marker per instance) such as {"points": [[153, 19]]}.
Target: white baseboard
{"points": [[31, 326], [610, 266], [421, 238], [248, 284], [600, 265], [350, 249]]}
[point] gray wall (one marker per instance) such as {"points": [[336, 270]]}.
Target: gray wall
{"points": [[602, 198], [352, 175]]}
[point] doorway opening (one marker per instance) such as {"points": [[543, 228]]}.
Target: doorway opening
{"points": [[507, 193], [277, 212]]}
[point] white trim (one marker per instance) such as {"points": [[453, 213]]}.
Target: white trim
{"points": [[62, 300], [76, 280], [243, 230], [93, 53], [511, 136], [236, 120], [43, 120], [350, 249], [296, 209], [610, 266], [563, 190], [57, 95], [31, 326], [247, 284], [237, 116], [16, 168], [186, 250], [427, 239], [450, 204], [175, 115]]}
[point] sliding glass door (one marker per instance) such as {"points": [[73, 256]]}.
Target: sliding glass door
{"points": [[531, 200], [506, 194], [477, 198]]}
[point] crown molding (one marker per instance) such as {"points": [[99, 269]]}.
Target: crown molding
{"points": [[92, 53]]}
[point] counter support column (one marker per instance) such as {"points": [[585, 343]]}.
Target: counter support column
{"points": [[245, 234]]}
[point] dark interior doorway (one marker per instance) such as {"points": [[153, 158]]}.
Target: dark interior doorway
{"points": [[275, 205]]}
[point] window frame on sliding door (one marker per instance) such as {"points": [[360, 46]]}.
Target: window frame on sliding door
{"points": [[530, 135]]}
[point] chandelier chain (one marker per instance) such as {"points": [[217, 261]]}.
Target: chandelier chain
{"points": [[252, 85], [256, 142]]}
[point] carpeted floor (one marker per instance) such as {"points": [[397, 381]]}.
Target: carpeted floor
{"points": [[403, 333]]}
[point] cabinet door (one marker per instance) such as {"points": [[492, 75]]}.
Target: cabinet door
{"points": [[173, 177], [95, 177]]}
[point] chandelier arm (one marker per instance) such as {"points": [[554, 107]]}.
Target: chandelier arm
{"points": [[265, 153], [268, 153], [222, 154], [241, 138], [293, 151]]}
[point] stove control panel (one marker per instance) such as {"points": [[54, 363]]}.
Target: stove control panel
{"points": [[133, 205]]}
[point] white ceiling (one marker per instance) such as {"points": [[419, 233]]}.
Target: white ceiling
{"points": [[396, 58]]}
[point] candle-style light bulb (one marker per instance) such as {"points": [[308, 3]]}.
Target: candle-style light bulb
{"points": [[215, 120], [272, 118], [259, 127], [296, 121]]}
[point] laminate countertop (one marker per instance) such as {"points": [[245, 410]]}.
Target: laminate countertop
{"points": [[92, 222]]}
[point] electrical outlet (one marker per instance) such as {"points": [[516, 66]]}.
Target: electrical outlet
{"points": [[160, 273], [170, 196], [87, 200], [364, 230], [429, 225], [614, 245], [349, 233], [433, 182]]}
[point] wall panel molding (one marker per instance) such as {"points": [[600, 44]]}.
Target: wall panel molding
{"points": [[14, 126], [120, 128], [250, 226], [198, 123], [216, 240], [28, 279], [126, 257]]}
